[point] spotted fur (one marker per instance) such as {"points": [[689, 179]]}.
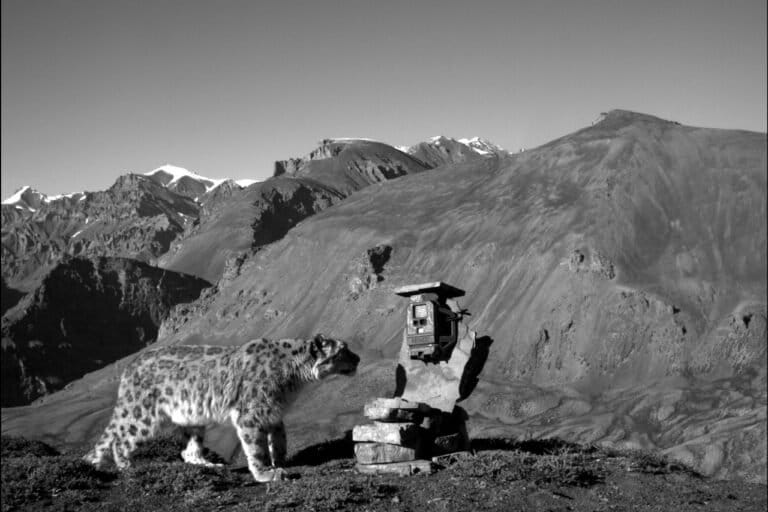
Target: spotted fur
{"points": [[195, 386]]}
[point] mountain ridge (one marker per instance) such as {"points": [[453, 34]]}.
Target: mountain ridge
{"points": [[167, 175]]}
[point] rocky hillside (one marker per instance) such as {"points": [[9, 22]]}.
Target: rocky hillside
{"points": [[135, 218], [201, 189], [86, 313], [139, 217], [348, 165], [620, 271], [266, 211], [245, 222]]}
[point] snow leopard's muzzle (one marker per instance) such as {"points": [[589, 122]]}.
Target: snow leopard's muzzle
{"points": [[332, 356]]}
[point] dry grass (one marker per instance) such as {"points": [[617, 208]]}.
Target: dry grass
{"points": [[31, 479], [538, 462], [501, 474]]}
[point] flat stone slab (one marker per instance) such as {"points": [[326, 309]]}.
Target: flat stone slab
{"points": [[395, 403], [403, 434], [394, 415], [376, 453], [395, 410], [415, 467]]}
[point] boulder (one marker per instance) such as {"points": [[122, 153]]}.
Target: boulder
{"points": [[449, 443]]}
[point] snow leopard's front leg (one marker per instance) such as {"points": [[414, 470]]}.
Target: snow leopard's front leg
{"points": [[193, 453], [277, 444], [253, 437]]}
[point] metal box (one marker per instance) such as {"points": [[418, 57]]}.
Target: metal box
{"points": [[431, 326]]}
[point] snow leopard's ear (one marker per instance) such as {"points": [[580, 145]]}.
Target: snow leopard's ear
{"points": [[316, 347]]}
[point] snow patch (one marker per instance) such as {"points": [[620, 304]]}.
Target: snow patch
{"points": [[482, 146], [179, 172], [246, 182], [17, 197], [600, 118], [48, 199], [76, 233], [477, 144]]}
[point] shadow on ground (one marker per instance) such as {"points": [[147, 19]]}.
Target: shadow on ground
{"points": [[321, 453]]}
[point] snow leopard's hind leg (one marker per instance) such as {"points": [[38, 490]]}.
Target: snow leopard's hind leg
{"points": [[103, 448], [253, 438]]}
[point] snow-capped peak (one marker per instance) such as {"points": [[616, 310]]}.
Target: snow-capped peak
{"points": [[16, 197], [178, 173], [482, 146], [246, 182], [48, 199], [437, 139], [477, 144], [600, 118], [31, 199], [27, 194]]}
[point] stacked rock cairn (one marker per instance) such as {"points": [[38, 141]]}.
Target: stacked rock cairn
{"points": [[408, 438]]}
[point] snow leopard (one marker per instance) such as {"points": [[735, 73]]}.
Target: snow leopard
{"points": [[194, 386]]}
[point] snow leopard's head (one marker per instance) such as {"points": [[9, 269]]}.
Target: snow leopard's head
{"points": [[331, 356]]}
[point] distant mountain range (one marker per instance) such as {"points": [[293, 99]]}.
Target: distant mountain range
{"points": [[619, 270], [193, 185], [177, 179], [166, 214]]}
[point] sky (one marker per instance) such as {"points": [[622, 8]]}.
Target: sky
{"points": [[92, 89]]}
